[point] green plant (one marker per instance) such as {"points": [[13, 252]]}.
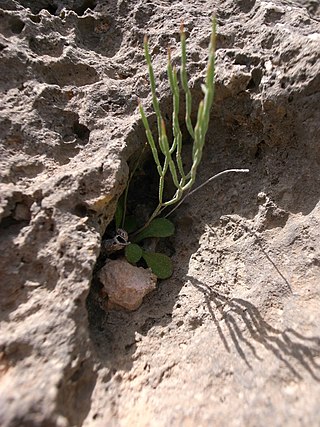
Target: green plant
{"points": [[159, 263], [172, 156]]}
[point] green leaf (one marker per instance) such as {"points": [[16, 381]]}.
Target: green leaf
{"points": [[133, 253], [160, 264], [159, 227]]}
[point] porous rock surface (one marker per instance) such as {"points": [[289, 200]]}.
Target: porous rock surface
{"points": [[233, 338]]}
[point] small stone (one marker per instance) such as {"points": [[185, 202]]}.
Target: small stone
{"points": [[125, 284]]}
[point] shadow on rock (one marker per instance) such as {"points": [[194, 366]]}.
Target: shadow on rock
{"points": [[286, 345]]}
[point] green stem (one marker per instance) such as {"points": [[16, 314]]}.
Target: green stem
{"points": [[177, 141], [150, 139], [198, 133], [155, 101]]}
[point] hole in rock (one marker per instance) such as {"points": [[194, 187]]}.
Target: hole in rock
{"points": [[245, 5], [256, 76], [42, 45], [37, 6], [51, 8], [35, 18], [81, 210], [143, 194], [16, 25], [100, 34], [10, 221], [17, 211], [81, 131], [141, 202], [65, 73], [86, 4]]}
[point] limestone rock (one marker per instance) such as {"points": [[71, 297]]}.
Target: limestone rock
{"points": [[125, 284]]}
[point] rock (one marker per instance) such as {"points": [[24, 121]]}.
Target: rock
{"points": [[125, 284]]}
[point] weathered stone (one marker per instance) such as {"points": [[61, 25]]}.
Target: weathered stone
{"points": [[125, 284]]}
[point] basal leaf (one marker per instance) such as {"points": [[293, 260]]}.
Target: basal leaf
{"points": [[160, 264], [133, 253], [159, 227]]}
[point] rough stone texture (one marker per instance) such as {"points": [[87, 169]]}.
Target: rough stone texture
{"points": [[125, 284], [232, 339]]}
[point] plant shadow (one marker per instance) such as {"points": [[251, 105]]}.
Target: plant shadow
{"points": [[286, 345]]}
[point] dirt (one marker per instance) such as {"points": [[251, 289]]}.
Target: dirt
{"points": [[232, 338]]}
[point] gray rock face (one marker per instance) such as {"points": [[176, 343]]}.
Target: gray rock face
{"points": [[232, 339]]}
